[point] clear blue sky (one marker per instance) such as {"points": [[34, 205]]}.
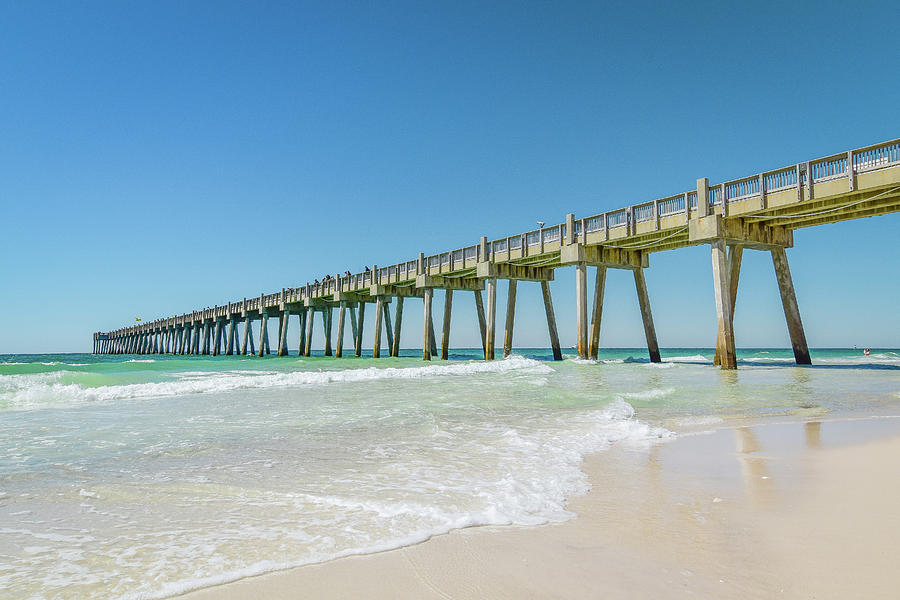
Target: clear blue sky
{"points": [[159, 157]]}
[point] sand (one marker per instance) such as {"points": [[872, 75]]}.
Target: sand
{"points": [[799, 510]]}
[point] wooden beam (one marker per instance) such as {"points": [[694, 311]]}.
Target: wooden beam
{"points": [[646, 315], [479, 309]]}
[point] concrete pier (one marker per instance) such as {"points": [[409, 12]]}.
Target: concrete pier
{"points": [[759, 211]]}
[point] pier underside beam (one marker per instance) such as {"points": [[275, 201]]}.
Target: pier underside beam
{"points": [[445, 334], [640, 285], [510, 318], [721, 283], [735, 254], [791, 309], [597, 312]]}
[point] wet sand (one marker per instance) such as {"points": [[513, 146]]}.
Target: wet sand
{"points": [[798, 510]]}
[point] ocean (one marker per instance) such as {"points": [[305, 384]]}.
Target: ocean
{"points": [[146, 476]]}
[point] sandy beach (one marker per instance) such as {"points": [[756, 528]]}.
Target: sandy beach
{"points": [[795, 510]]}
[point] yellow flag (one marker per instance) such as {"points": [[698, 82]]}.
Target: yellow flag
{"points": [[138, 319]]}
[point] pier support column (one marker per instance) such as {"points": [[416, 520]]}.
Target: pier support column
{"points": [[491, 318], [379, 311], [398, 323], [388, 330], [327, 314], [725, 334], [207, 337], [185, 340], [482, 327], [301, 348], [353, 327], [252, 344], [640, 285], [597, 313], [510, 318], [581, 318], [551, 320], [428, 331], [197, 329], [791, 309], [263, 334], [445, 333], [310, 318], [246, 335], [229, 345], [357, 349], [735, 253], [342, 316], [217, 341], [283, 331]]}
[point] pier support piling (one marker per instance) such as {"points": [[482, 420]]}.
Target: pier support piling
{"points": [[482, 327], [327, 314], [428, 330], [357, 350], [551, 320], [735, 254], [445, 333], [379, 315], [597, 312], [283, 331], [264, 335], [510, 318], [388, 330], [398, 323], [310, 318], [791, 309], [581, 318], [342, 315], [301, 347], [721, 284], [491, 318], [640, 285]]}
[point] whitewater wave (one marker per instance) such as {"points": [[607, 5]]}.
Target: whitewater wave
{"points": [[42, 390]]}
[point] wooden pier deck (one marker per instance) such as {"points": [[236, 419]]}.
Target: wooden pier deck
{"points": [[757, 212]]}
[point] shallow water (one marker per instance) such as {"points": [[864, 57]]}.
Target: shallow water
{"points": [[125, 477]]}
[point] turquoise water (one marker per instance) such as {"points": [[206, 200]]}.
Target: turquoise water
{"points": [[144, 476]]}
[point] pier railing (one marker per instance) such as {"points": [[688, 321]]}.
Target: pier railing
{"points": [[548, 239]]}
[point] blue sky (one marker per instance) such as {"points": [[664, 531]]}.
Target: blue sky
{"points": [[161, 157]]}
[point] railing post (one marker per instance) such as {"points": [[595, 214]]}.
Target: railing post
{"points": [[850, 169]]}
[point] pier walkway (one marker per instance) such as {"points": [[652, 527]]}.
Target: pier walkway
{"points": [[757, 212]]}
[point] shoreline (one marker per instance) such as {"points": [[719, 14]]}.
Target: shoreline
{"points": [[743, 510]]}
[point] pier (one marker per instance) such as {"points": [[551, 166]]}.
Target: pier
{"points": [[757, 212]]}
